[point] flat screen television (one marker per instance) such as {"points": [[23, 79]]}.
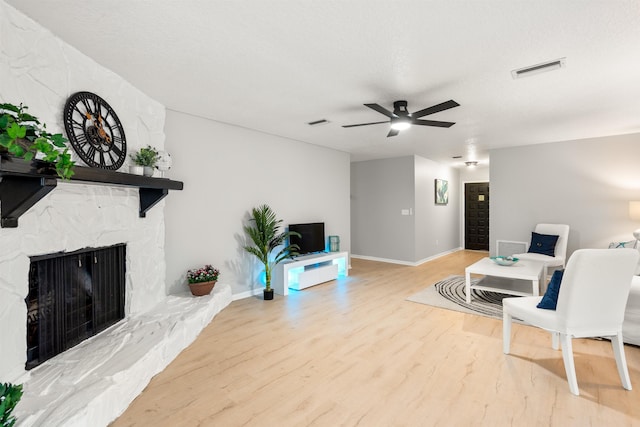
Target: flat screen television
{"points": [[312, 237]]}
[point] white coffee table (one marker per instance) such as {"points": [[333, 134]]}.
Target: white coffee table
{"points": [[522, 278]]}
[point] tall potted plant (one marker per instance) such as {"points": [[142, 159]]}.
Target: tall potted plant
{"points": [[264, 232]]}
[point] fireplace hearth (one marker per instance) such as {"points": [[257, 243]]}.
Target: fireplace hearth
{"points": [[73, 296]]}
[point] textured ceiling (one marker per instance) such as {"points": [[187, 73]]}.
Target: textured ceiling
{"points": [[275, 65]]}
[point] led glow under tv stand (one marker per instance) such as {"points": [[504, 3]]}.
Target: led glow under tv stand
{"points": [[309, 270]]}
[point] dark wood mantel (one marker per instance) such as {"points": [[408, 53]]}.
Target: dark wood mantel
{"points": [[23, 184]]}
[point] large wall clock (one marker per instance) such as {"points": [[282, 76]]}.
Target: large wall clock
{"points": [[94, 130]]}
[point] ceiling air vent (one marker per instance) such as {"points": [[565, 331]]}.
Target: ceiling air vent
{"points": [[539, 68], [318, 122]]}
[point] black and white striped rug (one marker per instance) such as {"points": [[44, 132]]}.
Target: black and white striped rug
{"points": [[449, 293]]}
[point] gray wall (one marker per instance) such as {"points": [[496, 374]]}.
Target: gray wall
{"points": [[382, 189], [586, 183], [227, 170]]}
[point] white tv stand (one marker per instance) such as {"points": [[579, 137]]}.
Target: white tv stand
{"points": [[309, 270]]}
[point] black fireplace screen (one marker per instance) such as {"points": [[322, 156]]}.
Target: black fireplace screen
{"points": [[72, 296]]}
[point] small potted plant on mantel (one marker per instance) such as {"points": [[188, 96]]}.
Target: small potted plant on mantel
{"points": [[147, 157], [22, 135], [202, 280], [266, 237]]}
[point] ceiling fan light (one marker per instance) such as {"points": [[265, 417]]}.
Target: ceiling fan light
{"points": [[401, 124]]}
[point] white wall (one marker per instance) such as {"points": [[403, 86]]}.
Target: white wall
{"points": [[228, 170], [437, 227], [41, 71], [586, 183], [474, 174], [381, 189]]}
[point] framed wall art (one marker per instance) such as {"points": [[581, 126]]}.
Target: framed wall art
{"points": [[442, 192]]}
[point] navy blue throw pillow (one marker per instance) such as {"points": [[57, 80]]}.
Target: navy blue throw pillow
{"points": [[550, 299], [544, 244]]}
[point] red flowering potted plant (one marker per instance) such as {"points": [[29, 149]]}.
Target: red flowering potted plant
{"points": [[202, 280]]}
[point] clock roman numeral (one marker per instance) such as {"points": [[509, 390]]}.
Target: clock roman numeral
{"points": [[82, 113], [78, 125], [113, 159], [116, 149], [91, 152], [82, 139], [87, 107]]}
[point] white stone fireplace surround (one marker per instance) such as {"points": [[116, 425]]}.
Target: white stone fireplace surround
{"points": [[93, 382]]}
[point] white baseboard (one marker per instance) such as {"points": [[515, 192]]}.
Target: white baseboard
{"points": [[441, 254], [247, 294], [409, 263]]}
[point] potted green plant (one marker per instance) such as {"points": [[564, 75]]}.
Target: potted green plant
{"points": [[10, 394], [22, 135], [147, 157], [202, 280], [264, 232]]}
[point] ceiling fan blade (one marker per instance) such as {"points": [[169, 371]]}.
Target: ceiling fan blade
{"points": [[364, 124], [432, 123], [380, 110], [393, 132], [435, 109]]}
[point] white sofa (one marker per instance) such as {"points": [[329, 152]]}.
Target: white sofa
{"points": [[631, 325]]}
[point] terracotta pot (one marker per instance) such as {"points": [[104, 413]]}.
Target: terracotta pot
{"points": [[202, 288]]}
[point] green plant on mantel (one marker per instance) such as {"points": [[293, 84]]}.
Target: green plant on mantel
{"points": [[22, 135], [10, 394], [146, 156]]}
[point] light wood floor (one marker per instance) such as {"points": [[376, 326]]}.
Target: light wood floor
{"points": [[353, 352]]}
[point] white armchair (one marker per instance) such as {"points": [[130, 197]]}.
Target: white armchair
{"points": [[557, 261], [591, 303]]}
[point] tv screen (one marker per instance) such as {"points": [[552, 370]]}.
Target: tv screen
{"points": [[312, 237]]}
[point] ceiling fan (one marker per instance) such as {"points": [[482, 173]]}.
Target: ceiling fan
{"points": [[402, 119]]}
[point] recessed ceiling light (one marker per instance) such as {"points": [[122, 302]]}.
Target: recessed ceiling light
{"points": [[531, 70], [471, 164]]}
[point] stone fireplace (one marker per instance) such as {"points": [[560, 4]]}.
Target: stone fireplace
{"points": [[70, 218], [93, 382], [72, 297]]}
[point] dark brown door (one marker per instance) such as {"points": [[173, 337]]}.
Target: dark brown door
{"points": [[476, 216]]}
